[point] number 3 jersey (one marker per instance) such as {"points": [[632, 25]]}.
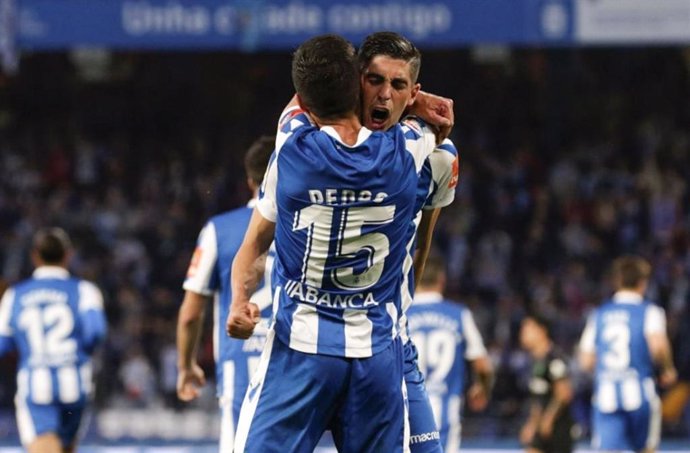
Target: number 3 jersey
{"points": [[54, 321], [343, 230], [616, 332]]}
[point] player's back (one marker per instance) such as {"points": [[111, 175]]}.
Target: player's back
{"points": [[209, 273], [624, 368], [436, 328], [342, 231], [52, 336]]}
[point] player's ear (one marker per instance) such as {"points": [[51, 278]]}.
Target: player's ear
{"points": [[415, 89]]}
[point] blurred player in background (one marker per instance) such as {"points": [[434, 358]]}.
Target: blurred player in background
{"points": [[55, 322], [622, 342], [209, 277], [337, 361], [389, 66], [446, 335], [549, 426]]}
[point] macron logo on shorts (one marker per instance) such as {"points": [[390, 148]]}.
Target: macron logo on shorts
{"points": [[424, 437]]}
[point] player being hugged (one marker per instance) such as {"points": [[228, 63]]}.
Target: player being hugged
{"points": [[338, 198]]}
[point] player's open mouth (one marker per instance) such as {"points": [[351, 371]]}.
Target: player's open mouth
{"points": [[379, 116]]}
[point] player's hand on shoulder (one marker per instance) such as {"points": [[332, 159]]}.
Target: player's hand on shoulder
{"points": [[436, 111], [243, 317], [189, 382]]}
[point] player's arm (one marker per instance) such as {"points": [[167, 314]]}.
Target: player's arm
{"points": [[482, 369], [586, 349], [190, 320], [244, 315], [434, 110], [659, 345], [6, 335], [562, 395], [530, 427], [425, 233]]}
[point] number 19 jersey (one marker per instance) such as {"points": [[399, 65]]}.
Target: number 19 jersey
{"points": [[343, 229]]}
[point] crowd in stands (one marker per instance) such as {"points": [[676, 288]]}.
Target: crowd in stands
{"points": [[569, 157]]}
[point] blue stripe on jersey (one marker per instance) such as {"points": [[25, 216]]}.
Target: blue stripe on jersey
{"points": [[230, 228], [341, 234]]}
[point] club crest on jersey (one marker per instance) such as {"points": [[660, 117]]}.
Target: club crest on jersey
{"points": [[455, 173], [194, 263]]}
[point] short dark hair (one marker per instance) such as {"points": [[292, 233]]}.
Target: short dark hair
{"points": [[542, 321], [257, 157], [433, 269], [51, 245], [325, 76], [629, 271], [392, 45]]}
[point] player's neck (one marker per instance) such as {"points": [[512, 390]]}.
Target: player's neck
{"points": [[347, 128]]}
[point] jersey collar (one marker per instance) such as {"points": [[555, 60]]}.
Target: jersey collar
{"points": [[364, 134], [51, 272], [627, 297], [427, 297]]}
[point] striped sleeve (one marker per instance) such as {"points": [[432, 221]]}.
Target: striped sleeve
{"points": [[444, 165], [587, 340], [420, 140]]}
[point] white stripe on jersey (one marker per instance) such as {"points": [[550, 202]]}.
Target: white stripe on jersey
{"points": [[86, 376], [358, 329], [41, 386], [207, 246], [249, 405], [455, 427], [68, 384], [90, 297], [304, 333], [405, 286], [406, 420]]}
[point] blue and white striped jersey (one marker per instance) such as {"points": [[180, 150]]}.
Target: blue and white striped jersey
{"points": [[445, 335], [54, 321], [209, 274], [343, 231], [616, 333]]}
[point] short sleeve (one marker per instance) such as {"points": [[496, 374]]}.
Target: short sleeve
{"points": [[202, 265], [558, 368], [444, 165], [474, 343], [654, 320], [90, 297]]}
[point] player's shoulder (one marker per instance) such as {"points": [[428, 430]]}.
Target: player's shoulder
{"points": [[412, 127], [230, 216], [293, 118], [447, 147]]}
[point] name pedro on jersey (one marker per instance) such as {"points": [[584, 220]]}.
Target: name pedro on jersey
{"points": [[310, 295]]}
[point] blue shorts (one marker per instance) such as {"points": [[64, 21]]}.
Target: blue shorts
{"points": [[294, 397], [424, 434], [34, 420]]}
